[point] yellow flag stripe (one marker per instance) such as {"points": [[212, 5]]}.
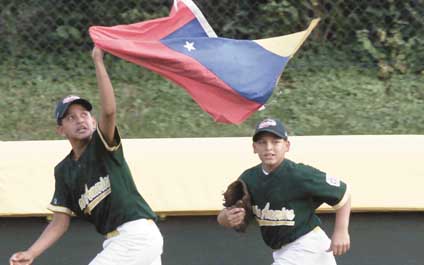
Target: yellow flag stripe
{"points": [[287, 45]]}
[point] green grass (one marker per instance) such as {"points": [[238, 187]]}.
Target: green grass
{"points": [[311, 98]]}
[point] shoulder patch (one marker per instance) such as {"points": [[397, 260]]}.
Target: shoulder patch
{"points": [[333, 181]]}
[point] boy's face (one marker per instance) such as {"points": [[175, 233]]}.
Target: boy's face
{"points": [[271, 150], [78, 124]]}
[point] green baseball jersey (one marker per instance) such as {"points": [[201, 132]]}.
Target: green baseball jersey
{"points": [[284, 201], [99, 187]]}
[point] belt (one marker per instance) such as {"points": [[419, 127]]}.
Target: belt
{"points": [[115, 232], [112, 234]]}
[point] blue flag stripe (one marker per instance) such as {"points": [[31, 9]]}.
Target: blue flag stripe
{"points": [[191, 29], [244, 65]]}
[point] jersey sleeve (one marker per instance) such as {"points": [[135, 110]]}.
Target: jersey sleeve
{"points": [[61, 201], [117, 140], [324, 188]]}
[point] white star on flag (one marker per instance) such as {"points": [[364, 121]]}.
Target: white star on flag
{"points": [[189, 46]]}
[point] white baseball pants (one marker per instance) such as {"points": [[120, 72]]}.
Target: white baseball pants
{"points": [[309, 249], [137, 242]]}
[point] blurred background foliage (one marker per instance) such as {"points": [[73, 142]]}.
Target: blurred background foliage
{"points": [[360, 72]]}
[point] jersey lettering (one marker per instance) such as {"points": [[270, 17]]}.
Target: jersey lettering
{"points": [[267, 217], [94, 195]]}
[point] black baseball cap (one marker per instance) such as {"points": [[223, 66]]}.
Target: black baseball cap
{"points": [[63, 106], [270, 125]]}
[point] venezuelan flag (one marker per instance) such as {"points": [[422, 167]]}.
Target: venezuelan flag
{"points": [[230, 79]]}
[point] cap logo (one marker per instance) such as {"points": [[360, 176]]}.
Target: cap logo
{"points": [[267, 123], [69, 99]]}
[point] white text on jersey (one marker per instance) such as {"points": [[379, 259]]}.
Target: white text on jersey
{"points": [[94, 194], [267, 217]]}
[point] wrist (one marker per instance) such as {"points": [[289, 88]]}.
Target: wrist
{"points": [[32, 252], [98, 61], [341, 229]]}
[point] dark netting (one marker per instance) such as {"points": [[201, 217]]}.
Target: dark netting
{"points": [[389, 32]]}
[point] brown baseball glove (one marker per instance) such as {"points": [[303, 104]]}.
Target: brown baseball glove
{"points": [[237, 196]]}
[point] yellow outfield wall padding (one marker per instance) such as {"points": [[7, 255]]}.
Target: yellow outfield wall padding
{"points": [[188, 175]]}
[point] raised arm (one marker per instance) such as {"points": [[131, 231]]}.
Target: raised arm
{"points": [[107, 120], [56, 228], [340, 241]]}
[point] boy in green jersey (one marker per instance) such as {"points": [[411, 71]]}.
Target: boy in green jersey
{"points": [[95, 183], [284, 197]]}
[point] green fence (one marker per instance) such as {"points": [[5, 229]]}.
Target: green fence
{"points": [[385, 33]]}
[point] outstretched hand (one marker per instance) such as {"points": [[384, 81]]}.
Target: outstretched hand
{"points": [[21, 258], [97, 53], [340, 243]]}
